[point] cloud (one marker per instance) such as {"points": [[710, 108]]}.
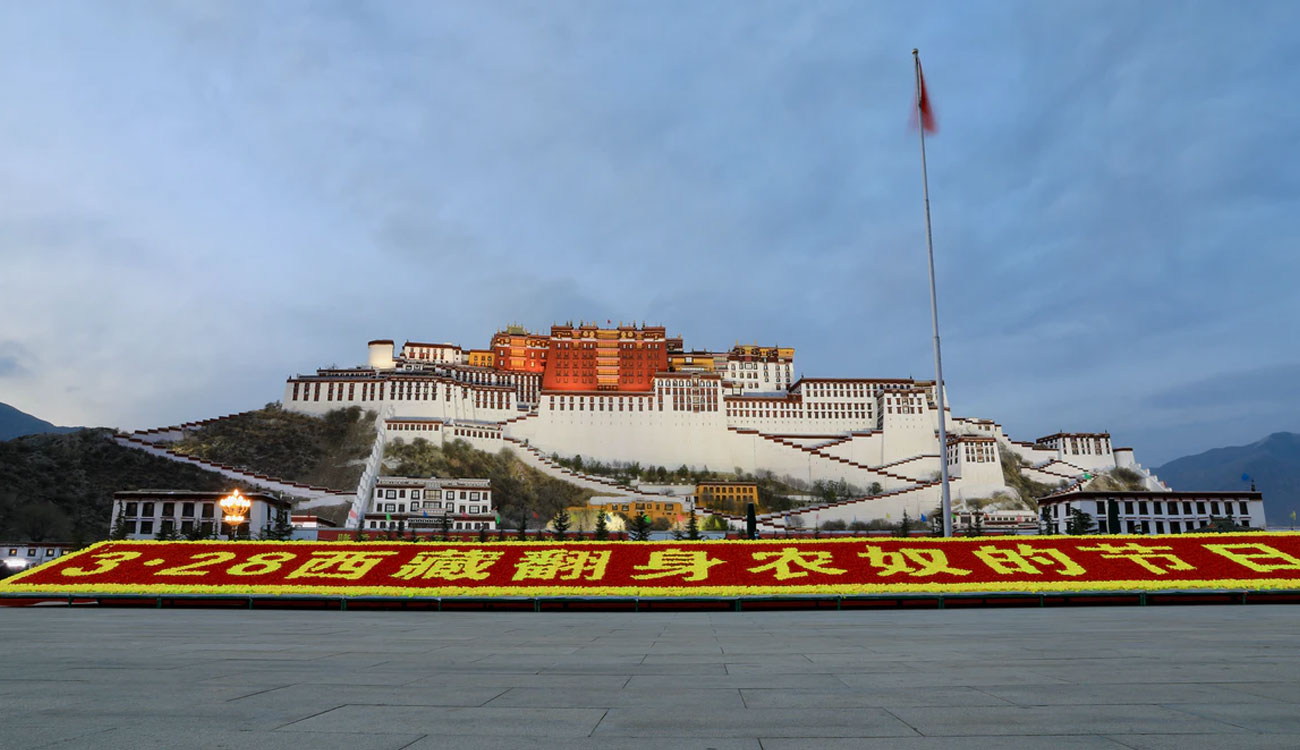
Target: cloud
{"points": [[199, 199], [1268, 385], [15, 360]]}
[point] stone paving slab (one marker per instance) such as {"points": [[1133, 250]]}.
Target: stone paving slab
{"points": [[1207, 741], [967, 721], [1153, 678], [454, 722], [1041, 742]]}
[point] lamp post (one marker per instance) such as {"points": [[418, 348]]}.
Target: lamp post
{"points": [[235, 506]]}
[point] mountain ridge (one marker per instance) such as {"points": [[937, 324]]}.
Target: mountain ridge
{"points": [[15, 422], [1272, 463]]}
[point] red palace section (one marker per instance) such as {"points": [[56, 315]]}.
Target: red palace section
{"points": [[589, 358]]}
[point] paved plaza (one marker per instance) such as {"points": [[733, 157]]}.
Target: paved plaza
{"points": [[1004, 679]]}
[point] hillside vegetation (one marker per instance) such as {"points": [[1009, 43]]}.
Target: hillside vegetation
{"points": [[519, 491], [327, 451], [59, 487], [1116, 480], [1028, 489]]}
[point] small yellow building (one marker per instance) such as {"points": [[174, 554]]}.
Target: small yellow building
{"points": [[673, 509], [482, 358], [728, 496]]}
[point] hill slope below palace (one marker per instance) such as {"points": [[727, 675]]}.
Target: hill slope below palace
{"points": [[1274, 464], [16, 423], [60, 487], [326, 451], [330, 451]]}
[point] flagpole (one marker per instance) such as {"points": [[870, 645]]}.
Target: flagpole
{"points": [[934, 307]]}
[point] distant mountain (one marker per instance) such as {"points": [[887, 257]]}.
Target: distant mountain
{"points": [[15, 423], [1274, 464]]}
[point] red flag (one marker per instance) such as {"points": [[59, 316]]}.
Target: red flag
{"points": [[923, 107]]}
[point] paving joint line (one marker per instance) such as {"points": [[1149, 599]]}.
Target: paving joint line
{"points": [[311, 716], [498, 695], [905, 723], [260, 692], [598, 721]]}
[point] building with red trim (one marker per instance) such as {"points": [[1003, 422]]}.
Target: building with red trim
{"points": [[587, 357]]}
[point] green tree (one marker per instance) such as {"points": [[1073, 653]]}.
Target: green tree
{"points": [[692, 526], [121, 527], [560, 524], [976, 523], [444, 526], [1078, 522], [905, 525], [280, 530], [200, 530], [715, 523], [641, 527], [521, 528], [602, 526], [482, 533], [166, 532]]}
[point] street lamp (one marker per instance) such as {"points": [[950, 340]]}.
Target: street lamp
{"points": [[235, 506]]}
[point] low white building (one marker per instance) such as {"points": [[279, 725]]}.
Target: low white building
{"points": [[421, 504], [146, 513], [19, 556], [1152, 512]]}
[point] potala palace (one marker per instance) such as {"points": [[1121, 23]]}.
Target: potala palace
{"points": [[631, 393]]}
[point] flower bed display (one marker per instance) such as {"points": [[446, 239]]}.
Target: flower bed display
{"points": [[1192, 562]]}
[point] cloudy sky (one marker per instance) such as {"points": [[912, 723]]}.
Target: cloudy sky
{"points": [[198, 199]]}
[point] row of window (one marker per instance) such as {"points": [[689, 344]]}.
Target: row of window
{"points": [[147, 526], [1169, 507], [187, 510], [851, 389], [430, 505], [458, 525], [1145, 527], [391, 494], [31, 551]]}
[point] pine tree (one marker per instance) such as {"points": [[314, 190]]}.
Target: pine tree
{"points": [[1078, 522], [444, 527], [560, 524], [602, 526], [121, 528], [905, 525], [641, 527], [482, 533], [523, 524], [198, 531], [692, 527], [283, 528]]}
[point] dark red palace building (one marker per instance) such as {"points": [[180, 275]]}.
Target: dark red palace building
{"points": [[587, 357]]}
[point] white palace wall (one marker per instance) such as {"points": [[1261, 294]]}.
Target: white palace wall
{"points": [[860, 431]]}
